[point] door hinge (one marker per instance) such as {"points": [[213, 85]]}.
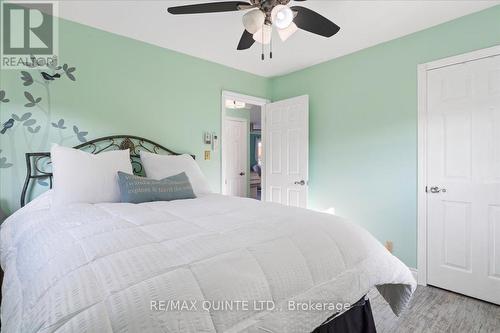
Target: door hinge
{"points": [[426, 189]]}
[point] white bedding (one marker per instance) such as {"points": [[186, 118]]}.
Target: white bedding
{"points": [[98, 268]]}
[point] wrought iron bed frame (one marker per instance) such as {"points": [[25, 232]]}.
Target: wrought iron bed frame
{"points": [[38, 163]]}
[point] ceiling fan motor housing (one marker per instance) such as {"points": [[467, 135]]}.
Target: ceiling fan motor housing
{"points": [[267, 7]]}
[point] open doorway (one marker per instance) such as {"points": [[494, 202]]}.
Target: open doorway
{"points": [[242, 144]]}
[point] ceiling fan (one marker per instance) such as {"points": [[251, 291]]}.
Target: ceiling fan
{"points": [[263, 16]]}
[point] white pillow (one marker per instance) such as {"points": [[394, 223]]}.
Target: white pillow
{"points": [[83, 177], [161, 166]]}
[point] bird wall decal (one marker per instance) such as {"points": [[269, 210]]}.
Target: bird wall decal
{"points": [[8, 124], [49, 77]]}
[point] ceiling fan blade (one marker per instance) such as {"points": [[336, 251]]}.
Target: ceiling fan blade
{"points": [[246, 41], [211, 7], [311, 21]]}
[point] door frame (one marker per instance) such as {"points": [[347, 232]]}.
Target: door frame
{"points": [[259, 101], [422, 69]]}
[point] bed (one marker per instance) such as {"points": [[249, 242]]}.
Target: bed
{"points": [[210, 264]]}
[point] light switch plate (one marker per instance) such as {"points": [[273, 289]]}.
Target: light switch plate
{"points": [[207, 155]]}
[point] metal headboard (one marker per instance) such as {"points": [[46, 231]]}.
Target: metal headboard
{"points": [[38, 164]]}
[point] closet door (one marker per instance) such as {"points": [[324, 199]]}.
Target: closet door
{"points": [[463, 185]]}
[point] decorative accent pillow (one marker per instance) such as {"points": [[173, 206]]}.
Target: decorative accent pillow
{"points": [[161, 166], [87, 178], [135, 189]]}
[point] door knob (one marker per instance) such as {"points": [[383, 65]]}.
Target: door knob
{"points": [[436, 189], [301, 183], [242, 173]]}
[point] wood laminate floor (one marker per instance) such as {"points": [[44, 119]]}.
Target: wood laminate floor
{"points": [[436, 310]]}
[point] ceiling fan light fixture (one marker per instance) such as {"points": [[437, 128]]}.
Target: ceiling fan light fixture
{"points": [[263, 35], [254, 20], [282, 16], [287, 32], [233, 104]]}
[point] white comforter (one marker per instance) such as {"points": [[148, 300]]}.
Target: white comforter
{"points": [[114, 267]]}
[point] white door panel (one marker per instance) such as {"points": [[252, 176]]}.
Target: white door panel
{"points": [[463, 157], [287, 151], [235, 145]]}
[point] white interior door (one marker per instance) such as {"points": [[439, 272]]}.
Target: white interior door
{"points": [[235, 156], [463, 178], [287, 151]]}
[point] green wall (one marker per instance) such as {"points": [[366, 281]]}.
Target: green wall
{"points": [[363, 125], [122, 86]]}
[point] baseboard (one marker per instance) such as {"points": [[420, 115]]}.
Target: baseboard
{"points": [[414, 272]]}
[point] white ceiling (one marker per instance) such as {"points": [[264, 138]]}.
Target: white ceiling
{"points": [[215, 36]]}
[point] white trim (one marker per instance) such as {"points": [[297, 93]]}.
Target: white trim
{"points": [[307, 149], [422, 144], [422, 176], [466, 57], [259, 101], [263, 151], [243, 98]]}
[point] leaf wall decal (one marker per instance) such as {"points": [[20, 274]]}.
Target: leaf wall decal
{"points": [[25, 116], [60, 124], [29, 97], [4, 164], [29, 122], [2, 97], [27, 78], [81, 137]]}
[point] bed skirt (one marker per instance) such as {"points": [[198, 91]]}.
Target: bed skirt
{"points": [[358, 319]]}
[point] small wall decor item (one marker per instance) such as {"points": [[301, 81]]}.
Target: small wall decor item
{"points": [[207, 138]]}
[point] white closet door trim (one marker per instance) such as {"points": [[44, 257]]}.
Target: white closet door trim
{"points": [[422, 153]]}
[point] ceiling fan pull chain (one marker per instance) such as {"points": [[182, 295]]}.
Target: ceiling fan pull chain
{"points": [[271, 46], [263, 57]]}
